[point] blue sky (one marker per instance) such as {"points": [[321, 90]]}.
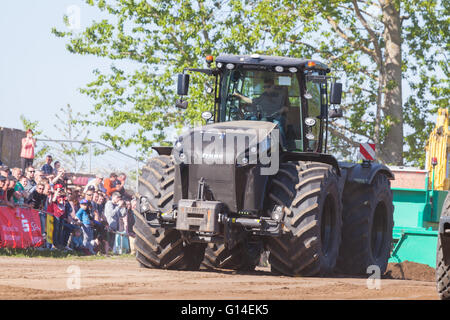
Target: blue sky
{"points": [[38, 75]]}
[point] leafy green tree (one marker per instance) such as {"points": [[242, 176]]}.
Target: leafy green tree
{"points": [[375, 47]]}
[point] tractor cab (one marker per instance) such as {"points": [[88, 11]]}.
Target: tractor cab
{"points": [[292, 93]]}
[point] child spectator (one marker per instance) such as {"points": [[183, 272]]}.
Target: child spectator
{"points": [[76, 241], [27, 150], [85, 219]]}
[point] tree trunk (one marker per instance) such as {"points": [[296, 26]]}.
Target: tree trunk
{"points": [[392, 102]]}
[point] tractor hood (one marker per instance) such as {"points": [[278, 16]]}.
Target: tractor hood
{"points": [[234, 142]]}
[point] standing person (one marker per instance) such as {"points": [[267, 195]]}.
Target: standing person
{"points": [[100, 222], [114, 211], [47, 168], [27, 150], [85, 219]]}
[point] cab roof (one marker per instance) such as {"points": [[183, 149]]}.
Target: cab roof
{"points": [[272, 61]]}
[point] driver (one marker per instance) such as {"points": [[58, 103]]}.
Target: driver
{"points": [[270, 106]]}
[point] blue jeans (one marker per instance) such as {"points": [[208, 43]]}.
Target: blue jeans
{"points": [[88, 237], [67, 229]]}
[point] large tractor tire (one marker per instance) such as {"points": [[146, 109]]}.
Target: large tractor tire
{"points": [[310, 195], [367, 228], [160, 247], [244, 256], [443, 270]]}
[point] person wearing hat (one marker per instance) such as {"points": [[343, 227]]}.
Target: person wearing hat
{"points": [[86, 225], [96, 184], [27, 150]]}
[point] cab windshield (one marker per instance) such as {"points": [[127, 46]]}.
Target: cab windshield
{"points": [[263, 96]]}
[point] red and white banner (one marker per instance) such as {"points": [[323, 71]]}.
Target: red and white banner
{"points": [[367, 151], [20, 228]]}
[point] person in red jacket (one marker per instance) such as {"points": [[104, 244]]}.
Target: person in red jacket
{"points": [[27, 150], [60, 208]]}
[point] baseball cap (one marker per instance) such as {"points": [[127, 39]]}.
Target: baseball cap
{"points": [[84, 201], [2, 178], [58, 186]]}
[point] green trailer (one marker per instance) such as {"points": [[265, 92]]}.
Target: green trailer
{"points": [[417, 210]]}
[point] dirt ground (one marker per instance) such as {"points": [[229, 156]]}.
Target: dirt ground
{"points": [[122, 278]]}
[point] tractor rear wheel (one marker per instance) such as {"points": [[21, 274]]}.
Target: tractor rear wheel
{"points": [[367, 228], [160, 247], [309, 194], [443, 270], [244, 256]]}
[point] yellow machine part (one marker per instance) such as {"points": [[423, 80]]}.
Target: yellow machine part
{"points": [[438, 147]]}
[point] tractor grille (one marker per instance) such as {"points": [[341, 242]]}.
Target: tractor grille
{"points": [[220, 181]]}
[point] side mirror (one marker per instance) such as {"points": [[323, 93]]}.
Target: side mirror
{"points": [[183, 84], [336, 93]]}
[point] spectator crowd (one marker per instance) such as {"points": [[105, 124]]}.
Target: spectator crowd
{"points": [[86, 219]]}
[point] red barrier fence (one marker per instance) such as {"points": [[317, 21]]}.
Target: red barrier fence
{"points": [[20, 228]]}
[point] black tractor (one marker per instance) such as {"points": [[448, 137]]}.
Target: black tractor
{"points": [[257, 178]]}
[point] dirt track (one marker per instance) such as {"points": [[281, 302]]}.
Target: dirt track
{"points": [[121, 278]]}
